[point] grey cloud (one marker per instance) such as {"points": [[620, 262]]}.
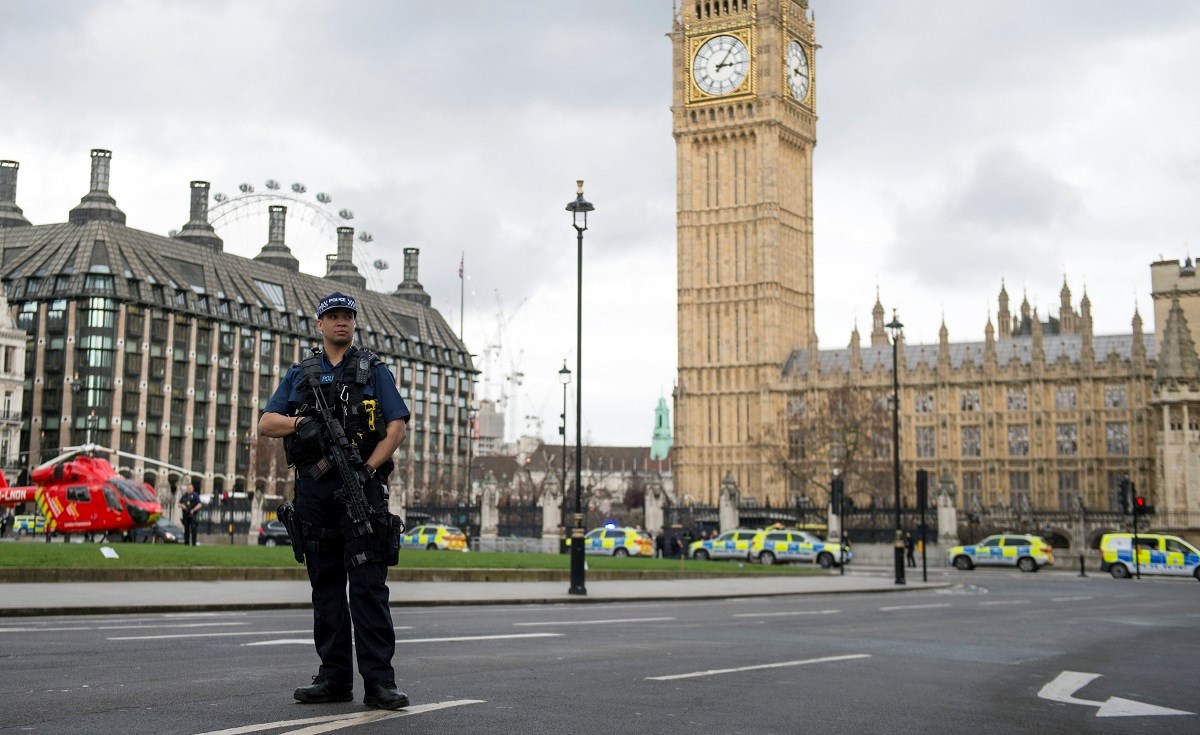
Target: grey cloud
{"points": [[1008, 191]]}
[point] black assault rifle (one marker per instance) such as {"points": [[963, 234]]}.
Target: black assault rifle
{"points": [[344, 455]]}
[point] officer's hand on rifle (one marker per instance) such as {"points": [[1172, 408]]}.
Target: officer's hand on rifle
{"points": [[308, 430], [366, 473]]}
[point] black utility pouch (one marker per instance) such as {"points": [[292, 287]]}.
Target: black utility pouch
{"points": [[385, 537]]}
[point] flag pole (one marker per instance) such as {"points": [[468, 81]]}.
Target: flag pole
{"points": [[461, 295]]}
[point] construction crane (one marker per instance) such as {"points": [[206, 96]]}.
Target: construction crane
{"points": [[502, 373]]}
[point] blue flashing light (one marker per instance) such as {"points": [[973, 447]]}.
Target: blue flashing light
{"points": [[610, 525]]}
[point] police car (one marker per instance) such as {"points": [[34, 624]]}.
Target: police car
{"points": [[434, 537], [1157, 554], [733, 544], [776, 545], [25, 525], [616, 541], [1023, 551]]}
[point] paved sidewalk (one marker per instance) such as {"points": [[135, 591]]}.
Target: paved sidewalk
{"points": [[78, 598]]}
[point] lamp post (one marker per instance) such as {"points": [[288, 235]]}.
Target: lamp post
{"points": [[564, 377], [894, 327], [578, 207]]}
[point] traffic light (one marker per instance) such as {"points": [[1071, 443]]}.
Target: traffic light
{"points": [[837, 490], [922, 490], [1139, 506], [1123, 495]]}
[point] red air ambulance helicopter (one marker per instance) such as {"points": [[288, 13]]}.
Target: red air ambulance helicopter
{"points": [[80, 493]]}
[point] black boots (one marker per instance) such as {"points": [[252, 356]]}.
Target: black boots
{"points": [[324, 690], [386, 698]]}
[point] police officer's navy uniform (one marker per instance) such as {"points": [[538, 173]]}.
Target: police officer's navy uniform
{"points": [[337, 552]]}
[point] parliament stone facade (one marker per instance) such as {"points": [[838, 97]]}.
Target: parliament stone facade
{"points": [[1042, 414]]}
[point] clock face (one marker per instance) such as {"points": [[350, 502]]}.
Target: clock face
{"points": [[721, 65], [797, 70]]}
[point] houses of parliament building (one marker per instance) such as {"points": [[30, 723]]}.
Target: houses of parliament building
{"points": [[1042, 413]]}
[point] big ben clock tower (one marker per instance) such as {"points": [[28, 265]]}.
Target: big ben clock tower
{"points": [[744, 121]]}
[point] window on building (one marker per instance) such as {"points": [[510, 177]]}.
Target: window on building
{"points": [[1068, 489], [971, 438], [926, 442], [1064, 398], [1018, 440], [969, 400], [1067, 440], [972, 483], [1018, 486], [795, 445], [1117, 435], [1018, 399], [923, 401], [1115, 397]]}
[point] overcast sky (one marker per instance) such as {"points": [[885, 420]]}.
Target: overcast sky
{"points": [[958, 143]]}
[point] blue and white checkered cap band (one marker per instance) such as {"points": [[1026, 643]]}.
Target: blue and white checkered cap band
{"points": [[336, 300]]}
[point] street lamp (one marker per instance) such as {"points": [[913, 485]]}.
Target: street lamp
{"points": [[564, 377], [894, 327], [578, 207]]}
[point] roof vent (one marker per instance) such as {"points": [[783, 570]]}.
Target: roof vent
{"points": [[10, 214], [98, 204], [198, 230]]}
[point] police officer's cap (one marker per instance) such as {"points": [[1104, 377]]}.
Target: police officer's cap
{"points": [[337, 300]]}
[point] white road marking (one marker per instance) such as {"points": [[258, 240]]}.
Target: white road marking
{"points": [[714, 672], [329, 723], [1069, 682], [1070, 599], [780, 614], [139, 626], [309, 641], [1005, 602], [598, 622], [915, 607], [218, 635]]}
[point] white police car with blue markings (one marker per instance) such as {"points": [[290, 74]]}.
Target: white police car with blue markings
{"points": [[1157, 554], [733, 544], [773, 545], [1021, 550]]}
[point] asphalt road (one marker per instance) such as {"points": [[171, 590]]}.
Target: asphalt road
{"points": [[985, 656]]}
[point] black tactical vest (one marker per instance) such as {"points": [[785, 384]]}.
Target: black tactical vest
{"points": [[350, 396]]}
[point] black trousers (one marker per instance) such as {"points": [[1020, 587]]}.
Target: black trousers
{"points": [[189, 530], [347, 605]]}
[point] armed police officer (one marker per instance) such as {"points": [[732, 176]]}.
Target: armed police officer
{"points": [[341, 541]]}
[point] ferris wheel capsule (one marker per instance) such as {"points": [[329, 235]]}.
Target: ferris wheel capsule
{"points": [[324, 198], [219, 197], [272, 184], [366, 237], [299, 188], [380, 265], [246, 188], [346, 214]]}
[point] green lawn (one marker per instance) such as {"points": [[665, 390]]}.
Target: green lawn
{"points": [[83, 556]]}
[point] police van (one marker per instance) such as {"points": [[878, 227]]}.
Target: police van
{"points": [[1156, 554]]}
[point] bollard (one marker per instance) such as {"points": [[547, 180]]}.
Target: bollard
{"points": [[1082, 571]]}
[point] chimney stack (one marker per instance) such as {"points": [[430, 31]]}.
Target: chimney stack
{"points": [[410, 288], [10, 214], [198, 230], [98, 204], [341, 268], [276, 251]]}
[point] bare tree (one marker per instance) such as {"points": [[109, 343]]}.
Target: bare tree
{"points": [[843, 428]]}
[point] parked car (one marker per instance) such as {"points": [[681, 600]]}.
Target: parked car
{"points": [[1157, 554], [164, 531], [1021, 550], [273, 533], [434, 537], [615, 541], [25, 525]]}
